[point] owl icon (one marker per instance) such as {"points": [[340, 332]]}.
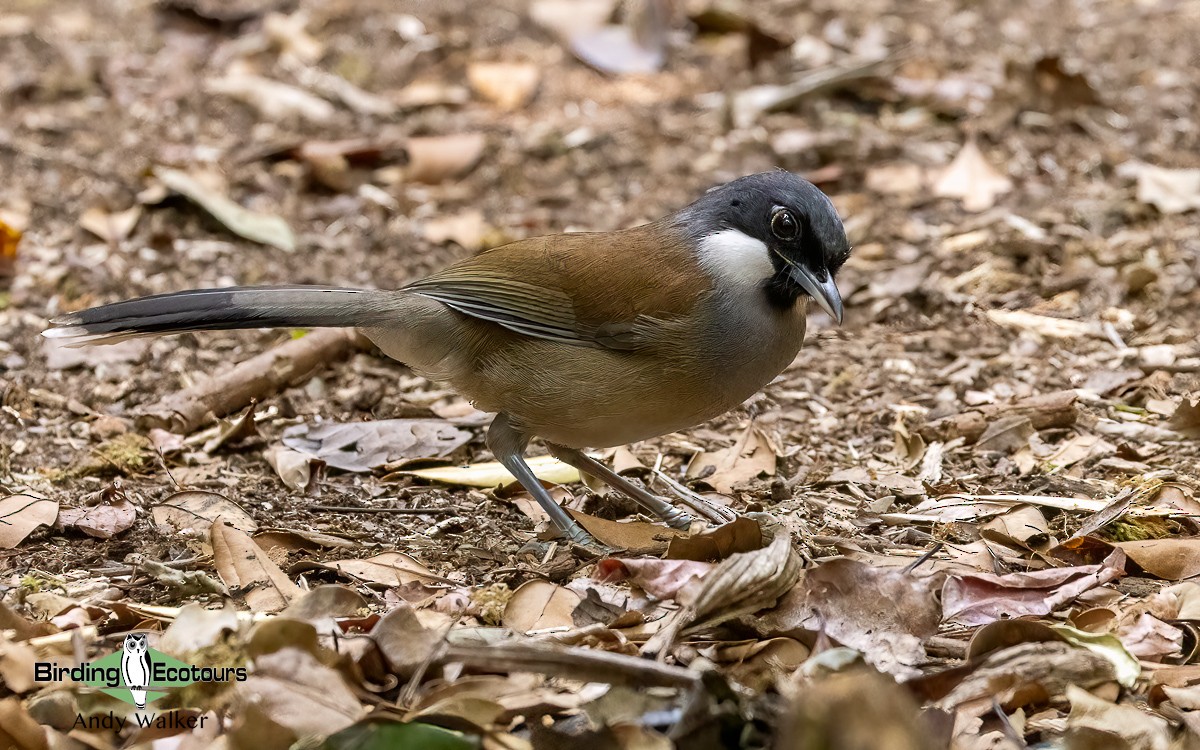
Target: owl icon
{"points": [[135, 667]]}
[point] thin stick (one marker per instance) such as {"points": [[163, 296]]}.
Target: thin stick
{"points": [[395, 511], [256, 378], [586, 664]]}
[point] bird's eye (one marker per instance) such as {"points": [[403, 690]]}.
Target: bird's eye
{"points": [[784, 225]]}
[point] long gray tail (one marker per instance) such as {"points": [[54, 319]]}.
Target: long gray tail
{"points": [[223, 309]]}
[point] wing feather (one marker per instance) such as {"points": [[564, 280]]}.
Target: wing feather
{"points": [[542, 299]]}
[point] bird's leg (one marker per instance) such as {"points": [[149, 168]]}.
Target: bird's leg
{"points": [[651, 502], [507, 445]]}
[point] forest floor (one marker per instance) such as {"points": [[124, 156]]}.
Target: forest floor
{"points": [[981, 488]]}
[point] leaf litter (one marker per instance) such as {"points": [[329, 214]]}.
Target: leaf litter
{"points": [[984, 484]]}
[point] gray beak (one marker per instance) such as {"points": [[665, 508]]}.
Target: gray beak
{"points": [[824, 292]]}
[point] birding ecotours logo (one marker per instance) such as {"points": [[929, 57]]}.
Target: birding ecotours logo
{"points": [[136, 674]]}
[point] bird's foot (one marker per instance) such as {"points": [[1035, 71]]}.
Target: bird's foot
{"points": [[718, 514]]}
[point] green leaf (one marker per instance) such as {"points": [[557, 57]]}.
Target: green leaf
{"points": [[1125, 664], [378, 735]]}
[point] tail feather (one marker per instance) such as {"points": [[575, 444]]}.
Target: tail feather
{"points": [[225, 309]]}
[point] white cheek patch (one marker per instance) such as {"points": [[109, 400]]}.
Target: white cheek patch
{"points": [[734, 257]]}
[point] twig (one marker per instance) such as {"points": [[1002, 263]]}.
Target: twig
{"points": [[396, 511], [256, 378], [1044, 411], [128, 569], [585, 664], [1116, 508], [924, 558]]}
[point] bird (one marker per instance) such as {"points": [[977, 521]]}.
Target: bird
{"points": [[583, 340]]}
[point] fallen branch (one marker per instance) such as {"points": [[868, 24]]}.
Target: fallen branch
{"points": [[255, 379], [1043, 411], [586, 664]]}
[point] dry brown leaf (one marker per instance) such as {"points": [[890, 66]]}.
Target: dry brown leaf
{"points": [[856, 710], [742, 584], [980, 598], [540, 605], [364, 446], [298, 471], [243, 565], [1171, 559], [662, 579], [16, 664], [740, 535], [20, 628], [1151, 639], [1044, 325], [294, 540], [1079, 448], [885, 613], [508, 85], [566, 18], [196, 627], [636, 537], [1022, 526], [297, 692], [18, 730], [1186, 418], [111, 227], [10, 237], [1171, 191], [971, 179], [897, 178], [386, 569], [751, 456], [21, 514], [101, 521], [467, 229], [196, 510], [406, 641], [436, 158], [1139, 730], [1028, 672]]}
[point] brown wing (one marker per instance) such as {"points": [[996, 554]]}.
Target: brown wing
{"points": [[574, 288]]}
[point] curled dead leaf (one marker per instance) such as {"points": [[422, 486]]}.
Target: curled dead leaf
{"points": [[971, 179], [437, 158], [540, 605], [196, 510], [979, 598], [885, 613], [742, 584], [101, 521], [243, 565], [508, 85], [21, 514], [751, 456]]}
